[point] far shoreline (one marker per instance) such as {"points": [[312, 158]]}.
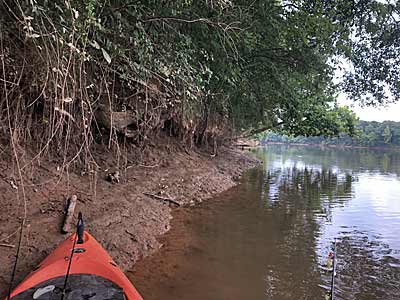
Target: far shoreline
{"points": [[393, 148]]}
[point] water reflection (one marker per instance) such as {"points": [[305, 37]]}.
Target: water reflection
{"points": [[269, 237], [352, 196], [342, 158]]}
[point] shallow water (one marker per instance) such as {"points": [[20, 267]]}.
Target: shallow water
{"points": [[269, 237]]}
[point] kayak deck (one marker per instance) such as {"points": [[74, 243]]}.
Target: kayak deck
{"points": [[93, 275], [80, 287]]}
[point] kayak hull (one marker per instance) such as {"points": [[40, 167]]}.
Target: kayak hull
{"points": [[89, 258]]}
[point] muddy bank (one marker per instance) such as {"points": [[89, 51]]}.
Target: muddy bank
{"points": [[124, 220]]}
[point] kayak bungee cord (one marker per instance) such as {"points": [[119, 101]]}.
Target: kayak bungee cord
{"points": [[77, 239], [16, 259]]}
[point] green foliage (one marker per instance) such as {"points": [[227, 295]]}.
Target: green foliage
{"points": [[369, 134], [210, 68], [373, 53], [387, 135]]}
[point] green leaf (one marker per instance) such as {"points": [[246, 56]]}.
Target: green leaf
{"points": [[106, 56], [94, 44]]}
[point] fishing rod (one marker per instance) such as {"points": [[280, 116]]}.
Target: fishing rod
{"points": [[333, 271], [21, 233], [78, 239], [330, 295]]}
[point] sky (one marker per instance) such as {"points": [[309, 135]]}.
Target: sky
{"points": [[390, 112]]}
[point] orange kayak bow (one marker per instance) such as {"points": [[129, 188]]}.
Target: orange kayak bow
{"points": [[93, 275]]}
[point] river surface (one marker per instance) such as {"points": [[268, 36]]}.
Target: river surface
{"points": [[269, 237]]}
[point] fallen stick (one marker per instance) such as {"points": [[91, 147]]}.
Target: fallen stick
{"points": [[142, 166], [147, 166], [7, 245], [10, 235], [169, 200], [69, 214]]}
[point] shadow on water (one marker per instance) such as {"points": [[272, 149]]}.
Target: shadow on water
{"points": [[269, 237]]}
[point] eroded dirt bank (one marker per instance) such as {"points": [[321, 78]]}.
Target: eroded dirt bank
{"points": [[121, 217]]}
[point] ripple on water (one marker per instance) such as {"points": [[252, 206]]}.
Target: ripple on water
{"points": [[366, 268]]}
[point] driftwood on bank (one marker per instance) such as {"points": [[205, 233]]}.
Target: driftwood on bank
{"points": [[7, 245], [168, 200], [69, 214], [246, 143]]}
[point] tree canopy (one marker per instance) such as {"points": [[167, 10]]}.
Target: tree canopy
{"points": [[201, 68]]}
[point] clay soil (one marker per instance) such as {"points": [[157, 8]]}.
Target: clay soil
{"points": [[122, 218]]}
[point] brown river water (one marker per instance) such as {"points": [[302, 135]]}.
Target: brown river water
{"points": [[269, 237]]}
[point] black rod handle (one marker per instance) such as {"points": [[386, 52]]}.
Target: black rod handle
{"points": [[80, 228]]}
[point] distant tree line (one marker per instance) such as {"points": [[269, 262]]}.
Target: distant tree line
{"points": [[368, 133]]}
